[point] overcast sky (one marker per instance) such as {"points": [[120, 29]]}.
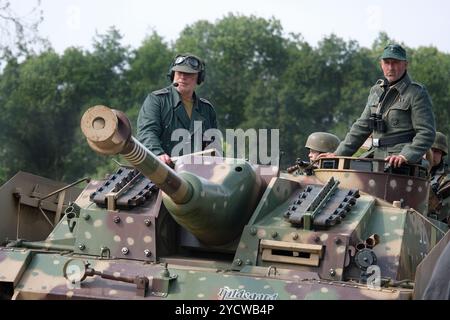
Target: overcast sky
{"points": [[415, 22]]}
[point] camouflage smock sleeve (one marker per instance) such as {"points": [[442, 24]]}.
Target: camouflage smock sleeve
{"points": [[358, 133], [149, 124], [422, 120]]}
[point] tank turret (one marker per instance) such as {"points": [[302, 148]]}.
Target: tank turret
{"points": [[215, 210]]}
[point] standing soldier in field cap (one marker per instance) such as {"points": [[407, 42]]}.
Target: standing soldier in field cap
{"points": [[175, 107], [439, 201], [398, 113]]}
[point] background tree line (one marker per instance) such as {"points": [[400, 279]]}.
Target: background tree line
{"points": [[256, 77]]}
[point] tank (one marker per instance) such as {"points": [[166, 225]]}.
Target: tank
{"points": [[217, 228]]}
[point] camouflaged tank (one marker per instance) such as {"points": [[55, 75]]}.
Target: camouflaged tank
{"points": [[216, 228]]}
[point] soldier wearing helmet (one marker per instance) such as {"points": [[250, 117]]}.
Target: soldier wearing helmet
{"points": [[439, 200], [321, 142], [175, 107], [317, 143]]}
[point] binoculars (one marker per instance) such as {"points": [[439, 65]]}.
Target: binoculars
{"points": [[376, 123]]}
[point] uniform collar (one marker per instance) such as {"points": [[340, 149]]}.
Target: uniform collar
{"points": [[177, 97], [180, 112], [402, 84]]}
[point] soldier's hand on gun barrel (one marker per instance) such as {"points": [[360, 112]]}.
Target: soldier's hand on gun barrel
{"points": [[166, 159]]}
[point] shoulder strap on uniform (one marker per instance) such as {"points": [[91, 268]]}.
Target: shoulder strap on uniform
{"points": [[206, 101], [421, 86], [161, 91]]}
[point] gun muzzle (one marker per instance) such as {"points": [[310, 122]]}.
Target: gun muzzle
{"points": [[108, 132]]}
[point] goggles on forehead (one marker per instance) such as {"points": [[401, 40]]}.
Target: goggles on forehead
{"points": [[188, 60]]}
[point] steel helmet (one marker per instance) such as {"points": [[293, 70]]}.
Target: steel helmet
{"points": [[322, 142], [440, 142]]}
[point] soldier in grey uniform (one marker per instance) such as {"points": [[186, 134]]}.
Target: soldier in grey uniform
{"points": [[175, 107], [398, 113], [321, 142], [439, 200]]}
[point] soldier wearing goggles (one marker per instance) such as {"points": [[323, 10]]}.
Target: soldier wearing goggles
{"points": [[175, 107]]}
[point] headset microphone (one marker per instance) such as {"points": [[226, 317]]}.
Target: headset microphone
{"points": [[175, 84]]}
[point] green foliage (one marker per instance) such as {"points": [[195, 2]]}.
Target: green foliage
{"points": [[431, 67], [149, 66], [238, 50], [256, 77], [42, 100]]}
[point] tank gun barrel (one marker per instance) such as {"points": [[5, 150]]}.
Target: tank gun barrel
{"points": [[213, 208], [108, 132]]}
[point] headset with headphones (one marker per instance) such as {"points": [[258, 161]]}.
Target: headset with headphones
{"points": [[190, 60]]}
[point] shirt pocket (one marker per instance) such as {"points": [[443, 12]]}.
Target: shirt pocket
{"points": [[399, 116]]}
